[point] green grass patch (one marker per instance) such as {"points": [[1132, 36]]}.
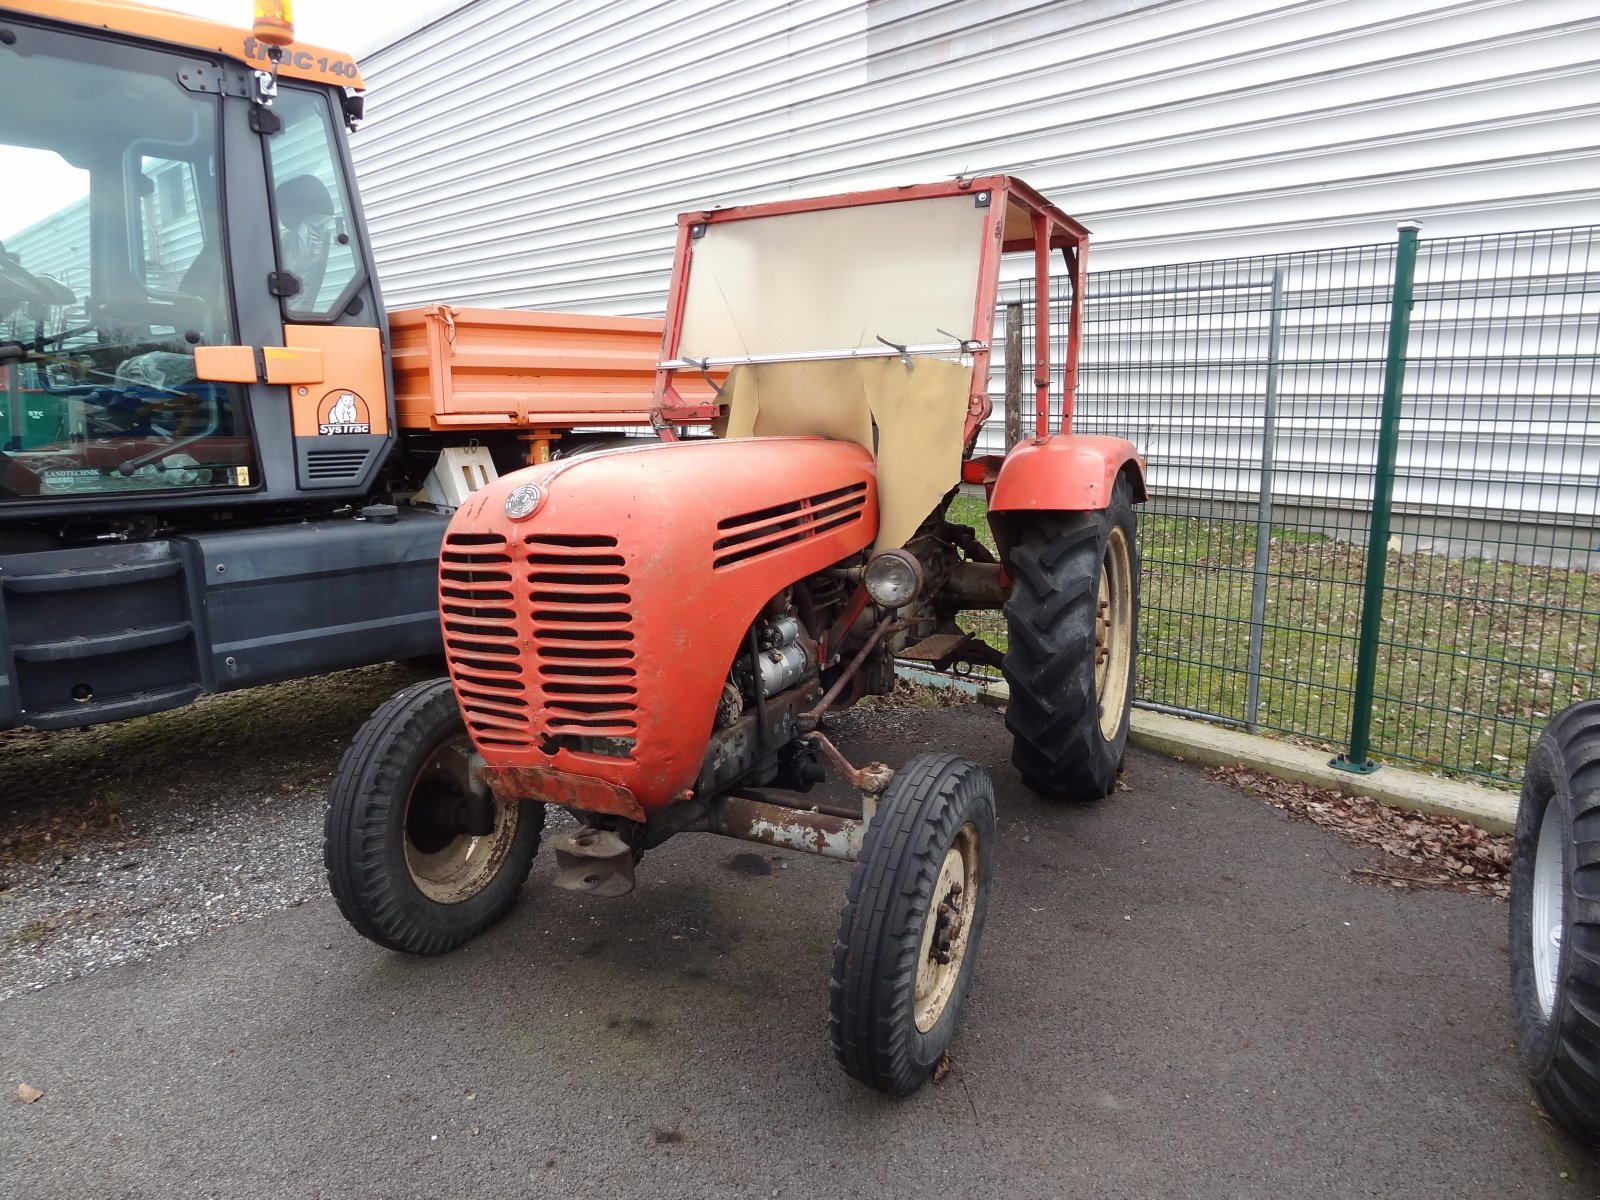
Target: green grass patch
{"points": [[1474, 655]]}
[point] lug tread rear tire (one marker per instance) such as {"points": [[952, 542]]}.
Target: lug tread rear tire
{"points": [[1053, 711], [1562, 1052], [363, 831], [871, 1021]]}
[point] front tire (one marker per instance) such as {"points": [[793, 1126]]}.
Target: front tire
{"points": [[1072, 617], [908, 936], [1555, 919], [403, 860]]}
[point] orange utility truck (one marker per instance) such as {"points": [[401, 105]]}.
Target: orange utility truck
{"points": [[221, 462]]}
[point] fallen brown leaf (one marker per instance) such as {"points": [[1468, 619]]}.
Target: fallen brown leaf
{"points": [[942, 1067]]}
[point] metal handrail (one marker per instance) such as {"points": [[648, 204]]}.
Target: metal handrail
{"points": [[686, 363]]}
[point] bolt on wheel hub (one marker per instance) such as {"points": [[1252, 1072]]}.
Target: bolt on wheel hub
{"points": [[447, 863], [944, 934], [1548, 905], [1113, 633]]}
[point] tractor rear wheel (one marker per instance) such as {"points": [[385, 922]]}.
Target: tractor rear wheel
{"points": [[419, 857], [1555, 919], [1072, 618], [908, 936]]}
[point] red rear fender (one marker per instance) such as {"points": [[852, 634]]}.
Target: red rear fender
{"points": [[1069, 472]]}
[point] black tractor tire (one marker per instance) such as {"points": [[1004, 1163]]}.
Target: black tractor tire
{"points": [[1555, 919], [1068, 718], [400, 863], [892, 1005]]}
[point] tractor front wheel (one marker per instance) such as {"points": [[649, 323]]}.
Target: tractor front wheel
{"points": [[908, 937], [1072, 618], [1555, 919], [419, 857]]}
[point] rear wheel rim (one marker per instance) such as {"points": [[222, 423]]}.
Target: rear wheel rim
{"points": [[448, 866], [946, 931], [1113, 630], [1549, 902]]}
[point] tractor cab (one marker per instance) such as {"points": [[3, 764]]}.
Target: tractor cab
{"points": [[181, 242], [866, 318]]}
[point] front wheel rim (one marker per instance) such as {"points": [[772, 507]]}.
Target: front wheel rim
{"points": [[450, 867], [1113, 640], [1549, 902], [947, 929]]}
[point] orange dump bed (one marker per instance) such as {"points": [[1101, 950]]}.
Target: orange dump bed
{"points": [[481, 368]]}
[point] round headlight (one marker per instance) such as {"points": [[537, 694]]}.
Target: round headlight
{"points": [[893, 578], [524, 501]]}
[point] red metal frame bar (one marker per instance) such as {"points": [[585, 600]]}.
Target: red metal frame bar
{"points": [[666, 398], [1041, 325], [1077, 267], [978, 403]]}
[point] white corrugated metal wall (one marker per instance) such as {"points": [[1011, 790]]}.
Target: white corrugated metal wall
{"points": [[533, 154]]}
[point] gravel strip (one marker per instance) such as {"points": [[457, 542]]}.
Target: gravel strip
{"points": [[120, 841], [167, 877]]}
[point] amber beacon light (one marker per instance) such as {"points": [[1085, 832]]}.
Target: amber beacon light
{"points": [[274, 22]]}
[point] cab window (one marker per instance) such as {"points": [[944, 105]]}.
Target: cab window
{"points": [[312, 207], [111, 272]]}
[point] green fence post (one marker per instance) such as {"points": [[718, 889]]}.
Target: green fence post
{"points": [[1394, 370]]}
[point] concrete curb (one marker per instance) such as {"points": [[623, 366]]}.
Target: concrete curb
{"points": [[1218, 746]]}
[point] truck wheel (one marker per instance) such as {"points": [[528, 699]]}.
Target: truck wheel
{"points": [[1072, 617], [401, 860], [1555, 919], [908, 937]]}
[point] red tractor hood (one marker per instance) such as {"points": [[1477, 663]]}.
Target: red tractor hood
{"points": [[593, 637]]}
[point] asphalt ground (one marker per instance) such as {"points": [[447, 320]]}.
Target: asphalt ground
{"points": [[1180, 993]]}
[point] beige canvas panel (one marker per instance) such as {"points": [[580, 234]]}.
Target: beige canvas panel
{"points": [[818, 399], [920, 414], [836, 279]]}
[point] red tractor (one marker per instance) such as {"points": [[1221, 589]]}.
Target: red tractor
{"points": [[650, 637]]}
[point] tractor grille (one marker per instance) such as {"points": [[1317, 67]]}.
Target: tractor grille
{"points": [[580, 602], [575, 685], [477, 604], [750, 535]]}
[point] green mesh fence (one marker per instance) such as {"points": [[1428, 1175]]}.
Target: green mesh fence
{"points": [[1254, 386]]}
